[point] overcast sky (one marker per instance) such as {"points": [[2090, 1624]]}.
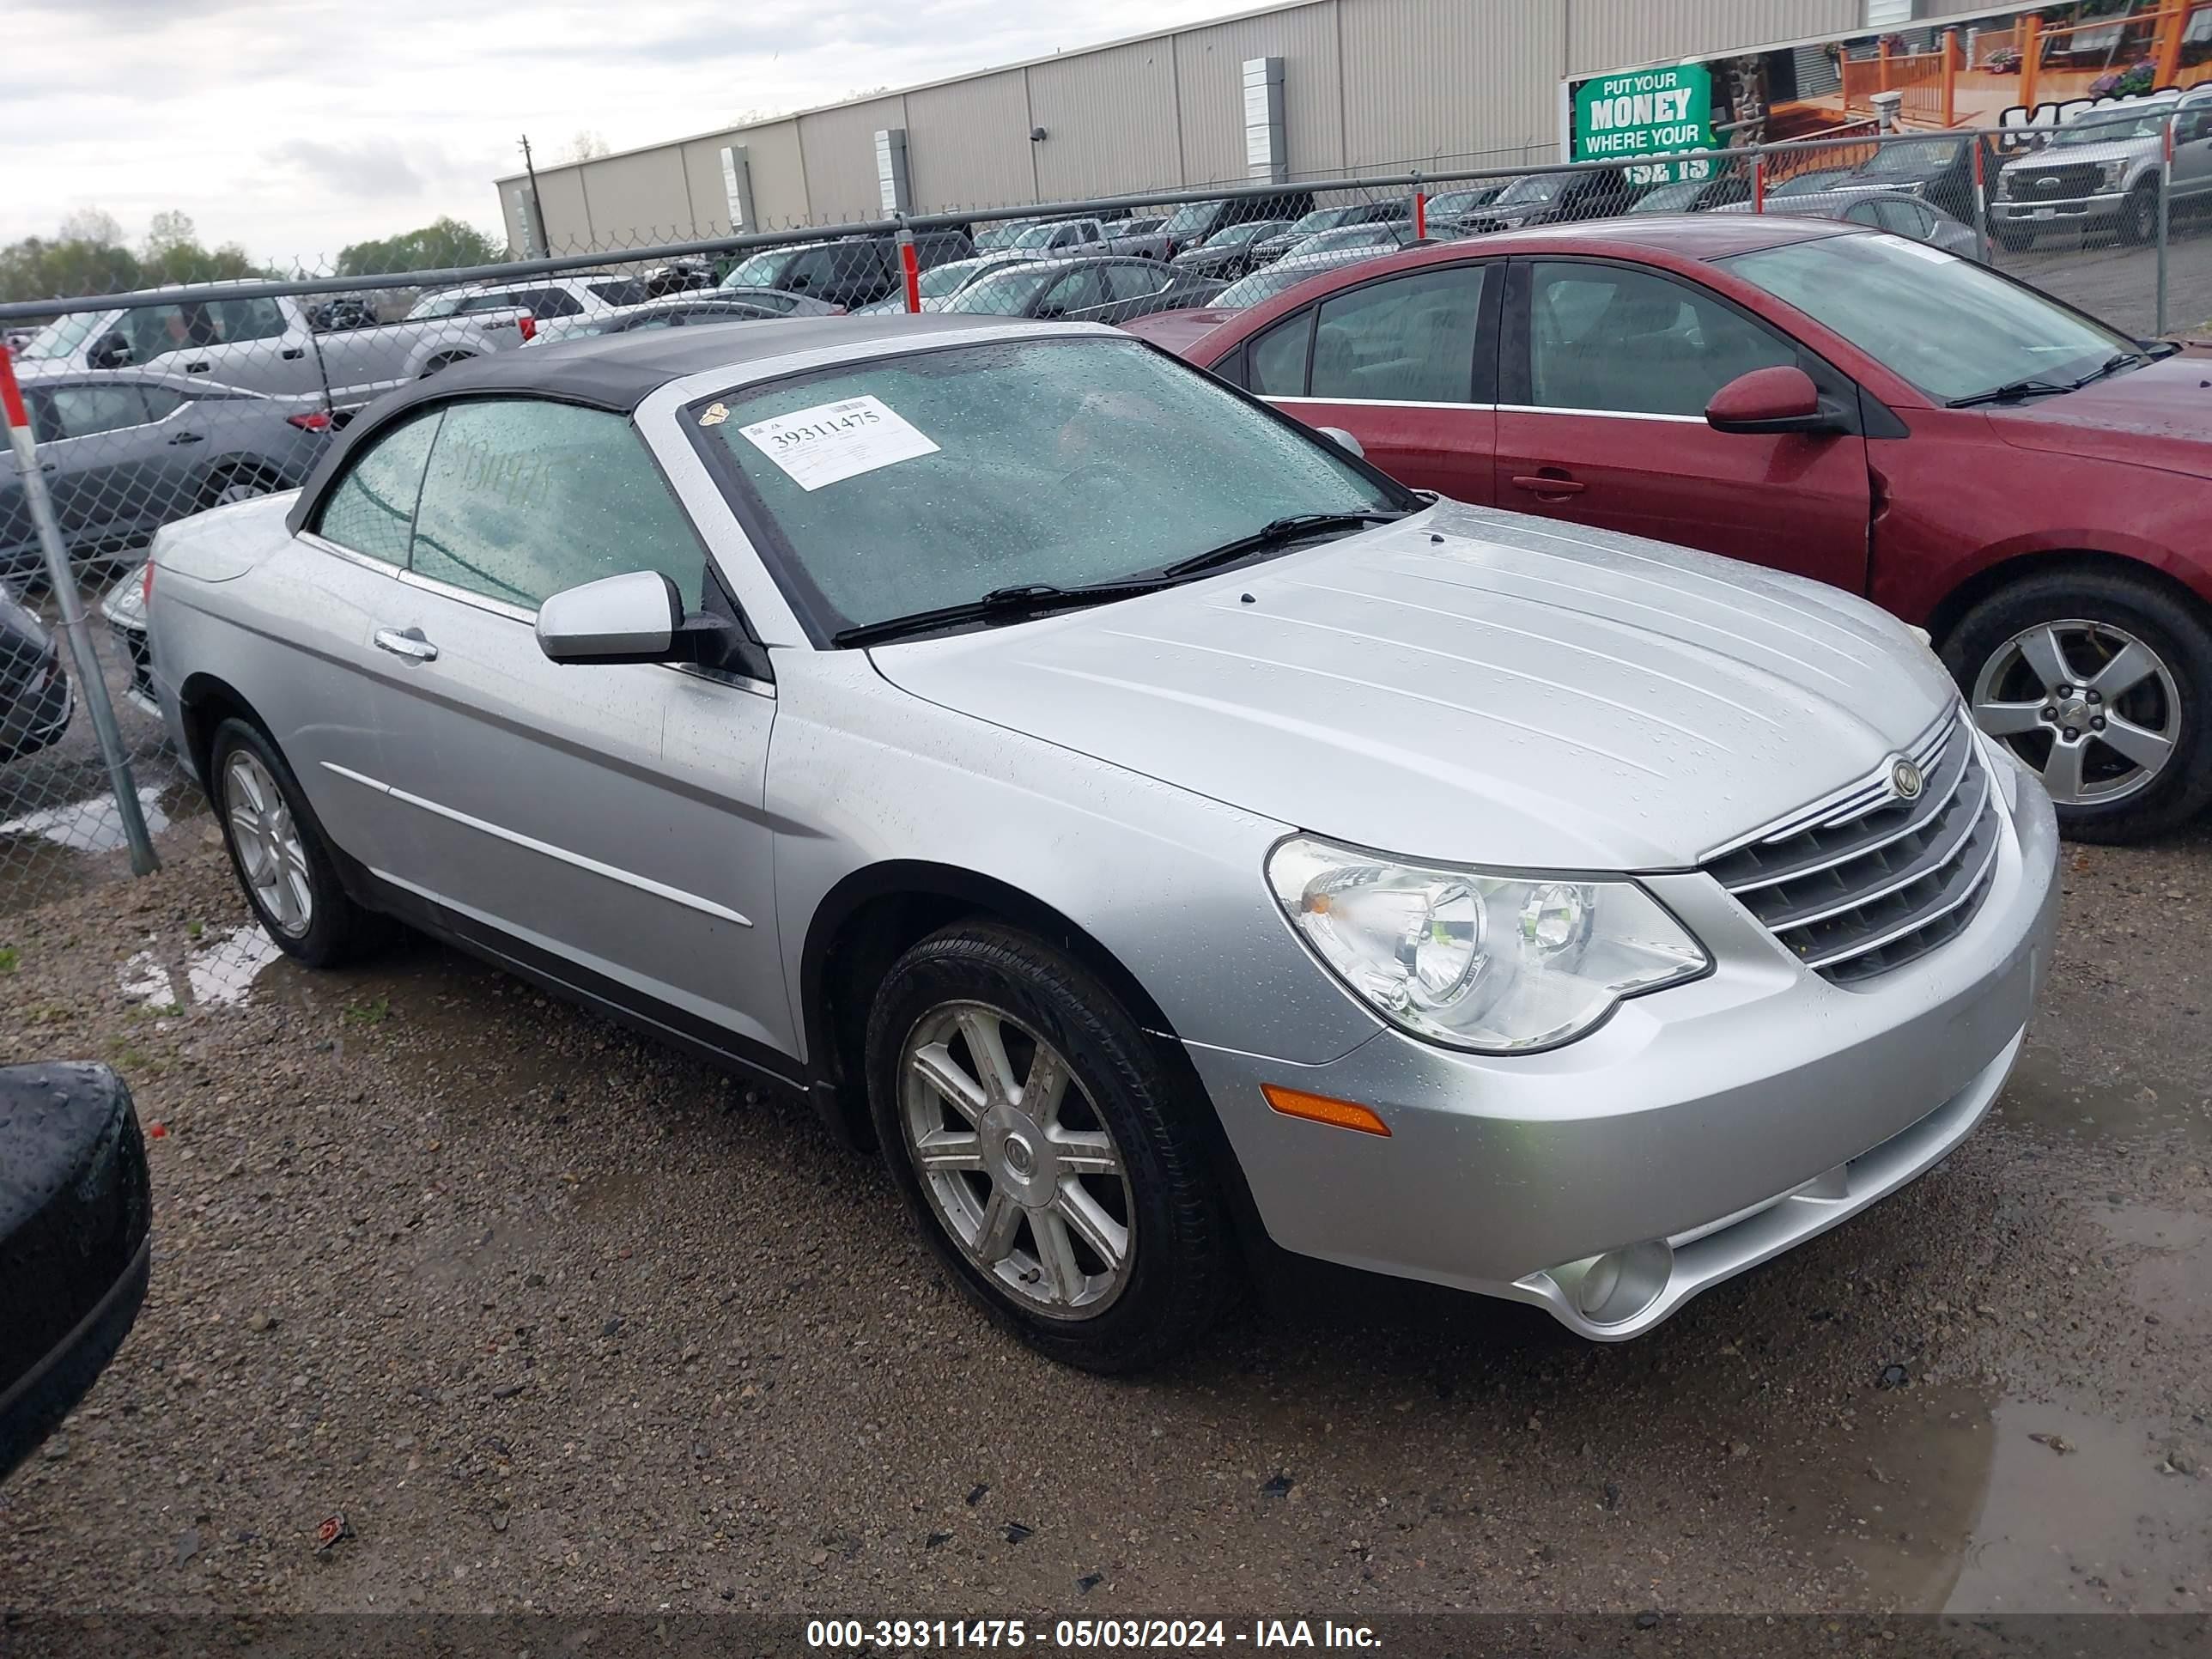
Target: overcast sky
{"points": [[296, 126]]}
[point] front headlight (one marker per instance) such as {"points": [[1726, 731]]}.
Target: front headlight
{"points": [[2114, 171], [1499, 963]]}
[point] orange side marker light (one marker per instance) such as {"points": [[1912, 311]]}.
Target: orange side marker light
{"points": [[1320, 1109]]}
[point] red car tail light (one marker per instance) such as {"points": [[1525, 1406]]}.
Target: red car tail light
{"points": [[315, 420], [528, 325], [146, 585]]}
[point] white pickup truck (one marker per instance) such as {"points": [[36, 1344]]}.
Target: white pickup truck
{"points": [[269, 343], [1062, 237]]}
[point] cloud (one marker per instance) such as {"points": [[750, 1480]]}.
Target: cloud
{"points": [[298, 127], [373, 169]]}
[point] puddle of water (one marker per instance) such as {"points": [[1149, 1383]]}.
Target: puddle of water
{"points": [[1968, 1503], [90, 826], [217, 975], [2041, 1096], [1966, 1508]]}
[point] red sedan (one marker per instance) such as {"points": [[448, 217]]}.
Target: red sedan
{"points": [[2025, 483]]}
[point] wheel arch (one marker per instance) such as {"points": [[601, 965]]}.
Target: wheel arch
{"points": [[1990, 579], [204, 701], [873, 916]]}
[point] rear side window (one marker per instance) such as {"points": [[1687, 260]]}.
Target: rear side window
{"points": [[1278, 358], [86, 411], [1407, 339], [248, 319], [373, 507], [524, 498], [163, 401], [624, 291]]}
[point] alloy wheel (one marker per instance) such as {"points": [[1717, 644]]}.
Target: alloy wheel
{"points": [[2088, 705], [1017, 1163], [270, 850], [240, 489]]}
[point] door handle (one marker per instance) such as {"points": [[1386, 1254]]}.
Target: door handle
{"points": [[196, 368], [294, 353], [187, 438], [407, 642], [1549, 485]]}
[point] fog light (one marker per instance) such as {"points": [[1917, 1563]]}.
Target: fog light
{"points": [[1621, 1284]]}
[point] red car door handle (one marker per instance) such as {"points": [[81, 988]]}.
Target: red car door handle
{"points": [[1549, 483]]}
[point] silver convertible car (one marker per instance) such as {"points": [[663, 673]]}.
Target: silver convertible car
{"points": [[1154, 829]]}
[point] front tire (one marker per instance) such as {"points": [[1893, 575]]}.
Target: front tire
{"points": [[278, 851], [2101, 683], [2139, 217], [1051, 1158]]}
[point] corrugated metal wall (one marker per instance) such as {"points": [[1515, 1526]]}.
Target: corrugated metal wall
{"points": [[840, 157], [1371, 85], [969, 142], [1605, 34], [1424, 81], [1210, 99], [1109, 120]]}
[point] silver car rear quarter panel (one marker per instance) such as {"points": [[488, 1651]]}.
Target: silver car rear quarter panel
{"points": [[1687, 1107]]}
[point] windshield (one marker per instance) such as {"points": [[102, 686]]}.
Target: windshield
{"points": [[1037, 235], [1913, 158], [1808, 184], [1238, 235], [1005, 293], [1462, 201], [1538, 187], [1949, 326], [940, 477], [1670, 198], [940, 279], [1267, 284], [1193, 216], [2111, 131], [762, 269], [1321, 219], [441, 305], [62, 337]]}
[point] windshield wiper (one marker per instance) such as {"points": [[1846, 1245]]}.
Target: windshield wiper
{"points": [[2113, 365], [2036, 387], [1024, 599], [1275, 532], [2012, 391]]}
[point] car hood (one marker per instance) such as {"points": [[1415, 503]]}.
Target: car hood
{"points": [[2157, 416], [2120, 150], [1469, 685]]}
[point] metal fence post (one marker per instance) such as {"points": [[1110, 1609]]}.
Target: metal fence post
{"points": [[1758, 183], [2164, 213], [92, 685], [1982, 250], [909, 267], [1420, 209]]}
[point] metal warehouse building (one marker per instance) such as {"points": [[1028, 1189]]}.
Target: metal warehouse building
{"points": [[1302, 91]]}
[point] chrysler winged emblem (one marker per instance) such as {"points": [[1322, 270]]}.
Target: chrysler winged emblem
{"points": [[1906, 778]]}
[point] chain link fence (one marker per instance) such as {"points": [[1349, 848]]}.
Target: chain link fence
{"points": [[141, 410]]}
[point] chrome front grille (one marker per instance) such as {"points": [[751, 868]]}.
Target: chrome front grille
{"points": [[1864, 882]]}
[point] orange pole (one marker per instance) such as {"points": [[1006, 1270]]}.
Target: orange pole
{"points": [[2031, 58], [1885, 63], [2173, 24], [1950, 77]]}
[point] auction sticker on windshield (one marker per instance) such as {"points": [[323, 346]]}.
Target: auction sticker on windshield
{"points": [[830, 441]]}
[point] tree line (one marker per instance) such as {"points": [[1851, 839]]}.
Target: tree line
{"points": [[89, 254]]}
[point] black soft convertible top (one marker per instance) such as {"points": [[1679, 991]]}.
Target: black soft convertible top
{"points": [[618, 372]]}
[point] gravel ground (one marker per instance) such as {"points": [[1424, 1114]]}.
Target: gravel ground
{"points": [[558, 1321]]}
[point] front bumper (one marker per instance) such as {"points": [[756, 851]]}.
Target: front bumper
{"points": [[1726, 1119], [2029, 214]]}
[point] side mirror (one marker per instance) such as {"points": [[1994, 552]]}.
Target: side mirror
{"points": [[1342, 439], [111, 351], [637, 617], [1772, 400]]}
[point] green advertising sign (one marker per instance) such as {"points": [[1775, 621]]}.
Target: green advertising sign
{"points": [[1645, 114]]}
